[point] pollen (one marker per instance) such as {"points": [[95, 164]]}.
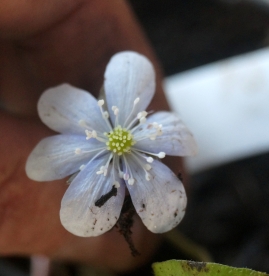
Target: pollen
{"points": [[120, 140]]}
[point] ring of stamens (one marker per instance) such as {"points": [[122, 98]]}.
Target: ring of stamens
{"points": [[120, 140]]}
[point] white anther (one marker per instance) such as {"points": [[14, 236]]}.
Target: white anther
{"points": [[100, 102], [147, 167], [149, 159], [144, 113], [116, 184], [136, 101], [161, 154], [126, 176], [88, 134], [94, 134], [113, 108], [82, 167], [102, 170], [148, 176], [141, 114], [121, 174], [142, 120], [131, 181], [160, 132], [116, 111], [105, 115], [82, 123], [77, 151]]}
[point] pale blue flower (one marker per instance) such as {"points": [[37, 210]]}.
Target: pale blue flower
{"points": [[119, 148]]}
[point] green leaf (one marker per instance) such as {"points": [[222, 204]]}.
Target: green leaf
{"points": [[189, 268]]}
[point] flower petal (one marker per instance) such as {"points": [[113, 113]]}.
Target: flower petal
{"points": [[176, 139], [128, 76], [55, 158], [78, 213], [160, 202], [62, 108]]}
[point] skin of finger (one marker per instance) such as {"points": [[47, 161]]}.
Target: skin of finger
{"points": [[65, 53], [21, 18]]}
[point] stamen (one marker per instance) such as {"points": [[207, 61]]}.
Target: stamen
{"points": [[90, 134], [148, 176], [156, 130], [159, 155], [83, 123], [115, 110], [80, 151], [145, 167], [142, 120], [117, 165], [104, 169], [105, 114], [93, 134], [130, 180], [101, 151], [100, 103], [136, 101], [141, 116], [149, 159], [114, 167], [126, 176], [82, 167]]}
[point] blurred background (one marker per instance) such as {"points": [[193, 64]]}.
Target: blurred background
{"points": [[215, 57]]}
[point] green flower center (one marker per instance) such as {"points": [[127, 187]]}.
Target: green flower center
{"points": [[120, 140]]}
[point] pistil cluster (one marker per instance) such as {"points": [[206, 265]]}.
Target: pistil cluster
{"points": [[120, 140]]}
